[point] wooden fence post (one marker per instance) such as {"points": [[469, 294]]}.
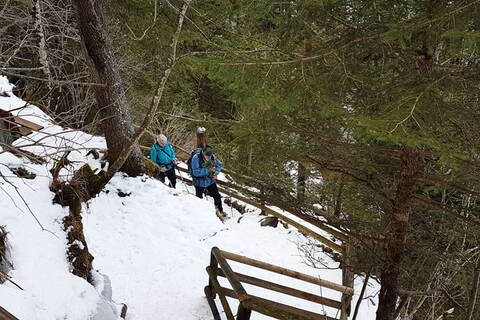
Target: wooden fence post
{"points": [[214, 266], [347, 280], [243, 313]]}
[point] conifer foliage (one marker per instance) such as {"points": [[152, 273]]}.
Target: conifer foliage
{"points": [[364, 112], [380, 101]]}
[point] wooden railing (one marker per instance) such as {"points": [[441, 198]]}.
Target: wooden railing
{"points": [[219, 267], [223, 188], [5, 315], [231, 190]]}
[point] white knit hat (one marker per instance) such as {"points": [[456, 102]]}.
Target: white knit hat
{"points": [[201, 130], [161, 139]]}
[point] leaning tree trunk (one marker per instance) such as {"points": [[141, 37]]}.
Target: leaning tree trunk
{"points": [[396, 241], [111, 102]]}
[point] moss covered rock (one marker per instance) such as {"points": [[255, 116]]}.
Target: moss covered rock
{"points": [[152, 169]]}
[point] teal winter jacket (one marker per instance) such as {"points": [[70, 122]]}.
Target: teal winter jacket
{"points": [[162, 156]]}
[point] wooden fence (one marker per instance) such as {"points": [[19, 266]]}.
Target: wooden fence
{"points": [[232, 190], [223, 188], [5, 315], [249, 197], [219, 267]]}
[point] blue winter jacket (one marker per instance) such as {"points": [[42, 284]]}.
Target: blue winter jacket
{"points": [[201, 178], [162, 156]]}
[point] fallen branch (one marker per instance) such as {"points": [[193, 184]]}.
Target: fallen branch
{"points": [[56, 170], [22, 153]]}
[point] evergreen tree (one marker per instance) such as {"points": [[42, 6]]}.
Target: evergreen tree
{"points": [[380, 106]]}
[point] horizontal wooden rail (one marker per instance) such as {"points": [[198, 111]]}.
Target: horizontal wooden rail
{"points": [[285, 290], [284, 218], [287, 272], [280, 216], [275, 309], [319, 224], [219, 266], [5, 315]]}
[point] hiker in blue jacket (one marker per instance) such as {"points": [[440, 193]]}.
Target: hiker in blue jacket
{"points": [[205, 169], [162, 154]]}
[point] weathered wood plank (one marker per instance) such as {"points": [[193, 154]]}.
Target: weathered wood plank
{"points": [[214, 266], [282, 311], [243, 313], [230, 275], [287, 272], [277, 310], [211, 303], [28, 124], [348, 281], [5, 315], [285, 290], [221, 294]]}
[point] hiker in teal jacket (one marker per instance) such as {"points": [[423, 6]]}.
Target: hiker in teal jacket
{"points": [[162, 154]]}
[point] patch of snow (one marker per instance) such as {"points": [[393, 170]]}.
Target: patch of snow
{"points": [[150, 248]]}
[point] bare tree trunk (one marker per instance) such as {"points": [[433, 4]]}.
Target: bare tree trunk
{"points": [[302, 171], [301, 181], [42, 47], [111, 101], [250, 158], [474, 291], [396, 242]]}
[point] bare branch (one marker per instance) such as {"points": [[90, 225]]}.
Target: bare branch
{"points": [[147, 29]]}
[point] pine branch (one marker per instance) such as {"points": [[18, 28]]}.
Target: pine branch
{"points": [[300, 60]]}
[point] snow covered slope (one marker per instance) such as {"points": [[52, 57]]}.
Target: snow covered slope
{"points": [[38, 250], [153, 244]]}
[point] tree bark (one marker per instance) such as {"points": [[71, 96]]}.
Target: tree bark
{"points": [[396, 241], [42, 47], [301, 181], [474, 291], [112, 104]]}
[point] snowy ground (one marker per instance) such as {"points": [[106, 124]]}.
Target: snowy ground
{"points": [[153, 245]]}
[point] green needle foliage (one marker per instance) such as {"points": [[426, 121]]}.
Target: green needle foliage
{"points": [[363, 111], [350, 90]]}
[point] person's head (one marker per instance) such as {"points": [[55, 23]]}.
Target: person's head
{"points": [[201, 130], [201, 137], [207, 152], [162, 140]]}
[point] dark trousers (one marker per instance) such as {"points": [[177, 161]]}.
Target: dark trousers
{"points": [[170, 174], [213, 192]]}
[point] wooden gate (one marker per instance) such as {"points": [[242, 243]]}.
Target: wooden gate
{"points": [[219, 267]]}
